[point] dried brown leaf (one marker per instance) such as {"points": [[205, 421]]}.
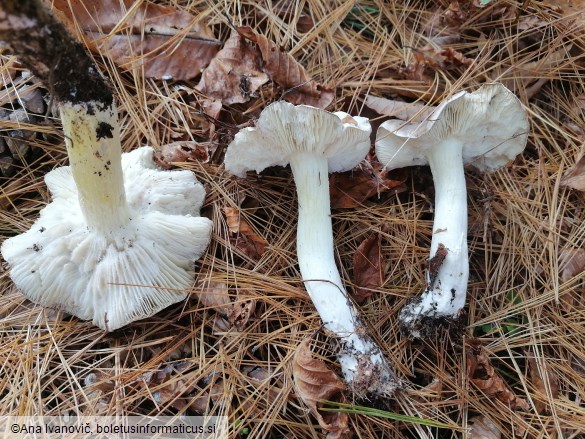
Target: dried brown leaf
{"points": [[431, 58], [368, 263], [203, 402], [571, 263], [483, 428], [230, 314], [167, 42], [166, 385], [235, 73], [180, 152], [540, 384], [242, 235], [315, 382], [575, 177], [481, 373], [283, 69], [348, 190]]}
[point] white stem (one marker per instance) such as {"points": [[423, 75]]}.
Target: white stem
{"points": [[92, 137], [447, 288], [361, 360]]}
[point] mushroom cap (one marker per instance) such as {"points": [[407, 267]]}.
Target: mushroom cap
{"points": [[126, 275], [284, 129], [490, 122]]}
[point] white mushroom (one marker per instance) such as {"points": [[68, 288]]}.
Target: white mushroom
{"points": [[315, 142], [119, 240], [486, 129]]}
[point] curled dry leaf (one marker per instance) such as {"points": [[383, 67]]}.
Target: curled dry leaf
{"points": [[368, 266], [431, 58], [180, 152], [235, 73], [348, 190], [167, 42], [283, 69], [481, 373], [242, 235], [483, 428], [541, 383], [315, 382], [575, 177]]}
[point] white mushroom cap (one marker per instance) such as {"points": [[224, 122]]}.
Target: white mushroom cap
{"points": [[112, 278], [284, 129], [490, 122]]}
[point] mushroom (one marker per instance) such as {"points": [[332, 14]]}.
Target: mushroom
{"points": [[486, 129], [119, 240], [315, 142]]}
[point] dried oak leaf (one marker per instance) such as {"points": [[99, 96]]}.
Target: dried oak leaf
{"points": [[368, 264], [575, 177], [242, 236], [283, 69], [235, 73], [180, 152], [348, 190], [483, 428], [167, 42], [315, 382], [481, 373], [540, 384]]}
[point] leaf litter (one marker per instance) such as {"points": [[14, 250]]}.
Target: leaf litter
{"points": [[164, 41]]}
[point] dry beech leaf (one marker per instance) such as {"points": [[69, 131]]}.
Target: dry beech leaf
{"points": [[483, 428], [283, 69], [348, 190], [481, 373], [242, 235], [537, 380], [368, 263], [410, 111], [180, 152], [575, 177], [235, 73], [167, 42], [314, 382]]}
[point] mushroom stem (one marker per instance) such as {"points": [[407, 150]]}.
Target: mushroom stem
{"points": [[362, 363], [448, 269], [92, 137]]}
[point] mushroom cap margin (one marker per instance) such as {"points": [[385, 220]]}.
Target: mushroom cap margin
{"points": [[284, 129], [490, 122]]}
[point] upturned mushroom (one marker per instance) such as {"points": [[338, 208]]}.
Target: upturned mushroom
{"points": [[485, 129], [315, 142], [119, 240]]}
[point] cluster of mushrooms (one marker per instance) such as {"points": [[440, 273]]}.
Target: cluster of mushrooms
{"points": [[119, 239]]}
